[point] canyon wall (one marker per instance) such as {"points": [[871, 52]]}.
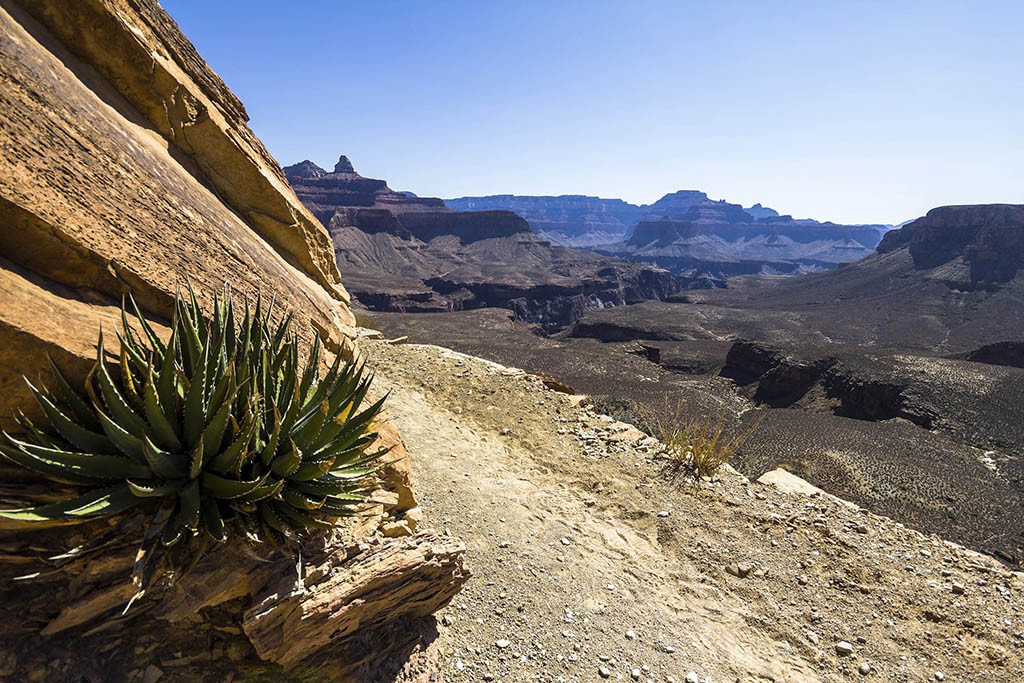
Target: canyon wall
{"points": [[127, 167]]}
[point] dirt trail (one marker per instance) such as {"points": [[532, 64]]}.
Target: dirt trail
{"points": [[591, 563]]}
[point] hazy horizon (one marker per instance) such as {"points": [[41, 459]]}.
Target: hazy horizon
{"points": [[854, 112]]}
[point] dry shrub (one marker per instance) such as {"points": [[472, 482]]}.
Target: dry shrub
{"points": [[700, 446]]}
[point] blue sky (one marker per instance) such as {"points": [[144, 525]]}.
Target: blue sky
{"points": [[847, 111]]}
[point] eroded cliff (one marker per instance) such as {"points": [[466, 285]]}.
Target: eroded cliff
{"points": [[126, 166]]}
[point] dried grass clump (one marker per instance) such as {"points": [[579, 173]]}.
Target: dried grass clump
{"points": [[699, 446]]}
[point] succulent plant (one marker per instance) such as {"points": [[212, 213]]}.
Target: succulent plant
{"points": [[220, 430]]}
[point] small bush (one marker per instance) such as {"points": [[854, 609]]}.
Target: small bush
{"points": [[700, 446], [219, 433]]}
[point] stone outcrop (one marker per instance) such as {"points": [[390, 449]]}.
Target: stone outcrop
{"points": [[344, 198], [567, 220], [126, 166], [987, 239], [400, 252]]}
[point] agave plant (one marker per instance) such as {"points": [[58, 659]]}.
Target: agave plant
{"points": [[218, 431]]}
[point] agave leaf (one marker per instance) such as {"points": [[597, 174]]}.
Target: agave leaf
{"points": [[131, 362], [163, 464], [185, 329], [154, 340], [196, 459], [116, 403], [188, 505], [145, 554], [197, 312], [71, 467], [96, 503], [41, 437], [73, 432], [308, 471], [195, 417], [306, 432], [234, 456], [212, 520], [342, 506], [301, 501], [345, 498], [273, 520], [291, 413], [263, 492], [300, 518], [214, 432], [288, 462], [312, 365], [224, 488], [162, 429], [327, 485], [122, 440], [324, 389], [230, 332], [79, 406], [155, 488], [344, 454], [224, 386], [352, 473], [270, 450], [342, 412], [354, 428], [167, 386]]}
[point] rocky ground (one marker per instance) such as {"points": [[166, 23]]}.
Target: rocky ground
{"points": [[592, 561]]}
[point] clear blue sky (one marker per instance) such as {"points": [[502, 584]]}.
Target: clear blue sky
{"points": [[847, 111]]}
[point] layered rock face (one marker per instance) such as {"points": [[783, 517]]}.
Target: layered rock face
{"points": [[405, 253], [700, 240], [692, 235], [347, 199], [567, 220], [126, 166], [987, 239]]}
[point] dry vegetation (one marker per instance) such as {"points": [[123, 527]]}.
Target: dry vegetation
{"points": [[699, 446]]}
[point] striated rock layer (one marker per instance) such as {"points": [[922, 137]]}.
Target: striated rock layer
{"points": [[126, 166], [700, 240], [404, 253]]}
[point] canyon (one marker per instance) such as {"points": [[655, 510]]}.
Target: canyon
{"points": [[893, 382], [404, 253], [526, 524], [702, 241]]}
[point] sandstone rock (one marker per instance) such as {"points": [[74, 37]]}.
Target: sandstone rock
{"points": [[414, 576], [126, 166]]}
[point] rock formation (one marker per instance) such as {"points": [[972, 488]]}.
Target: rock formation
{"points": [[987, 240], [126, 166], [405, 253], [690, 234], [700, 240], [567, 220]]}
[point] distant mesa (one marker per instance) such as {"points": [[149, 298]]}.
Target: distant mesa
{"points": [[701, 240], [401, 252], [988, 239]]}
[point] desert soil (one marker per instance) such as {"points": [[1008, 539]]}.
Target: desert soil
{"points": [[592, 561]]}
